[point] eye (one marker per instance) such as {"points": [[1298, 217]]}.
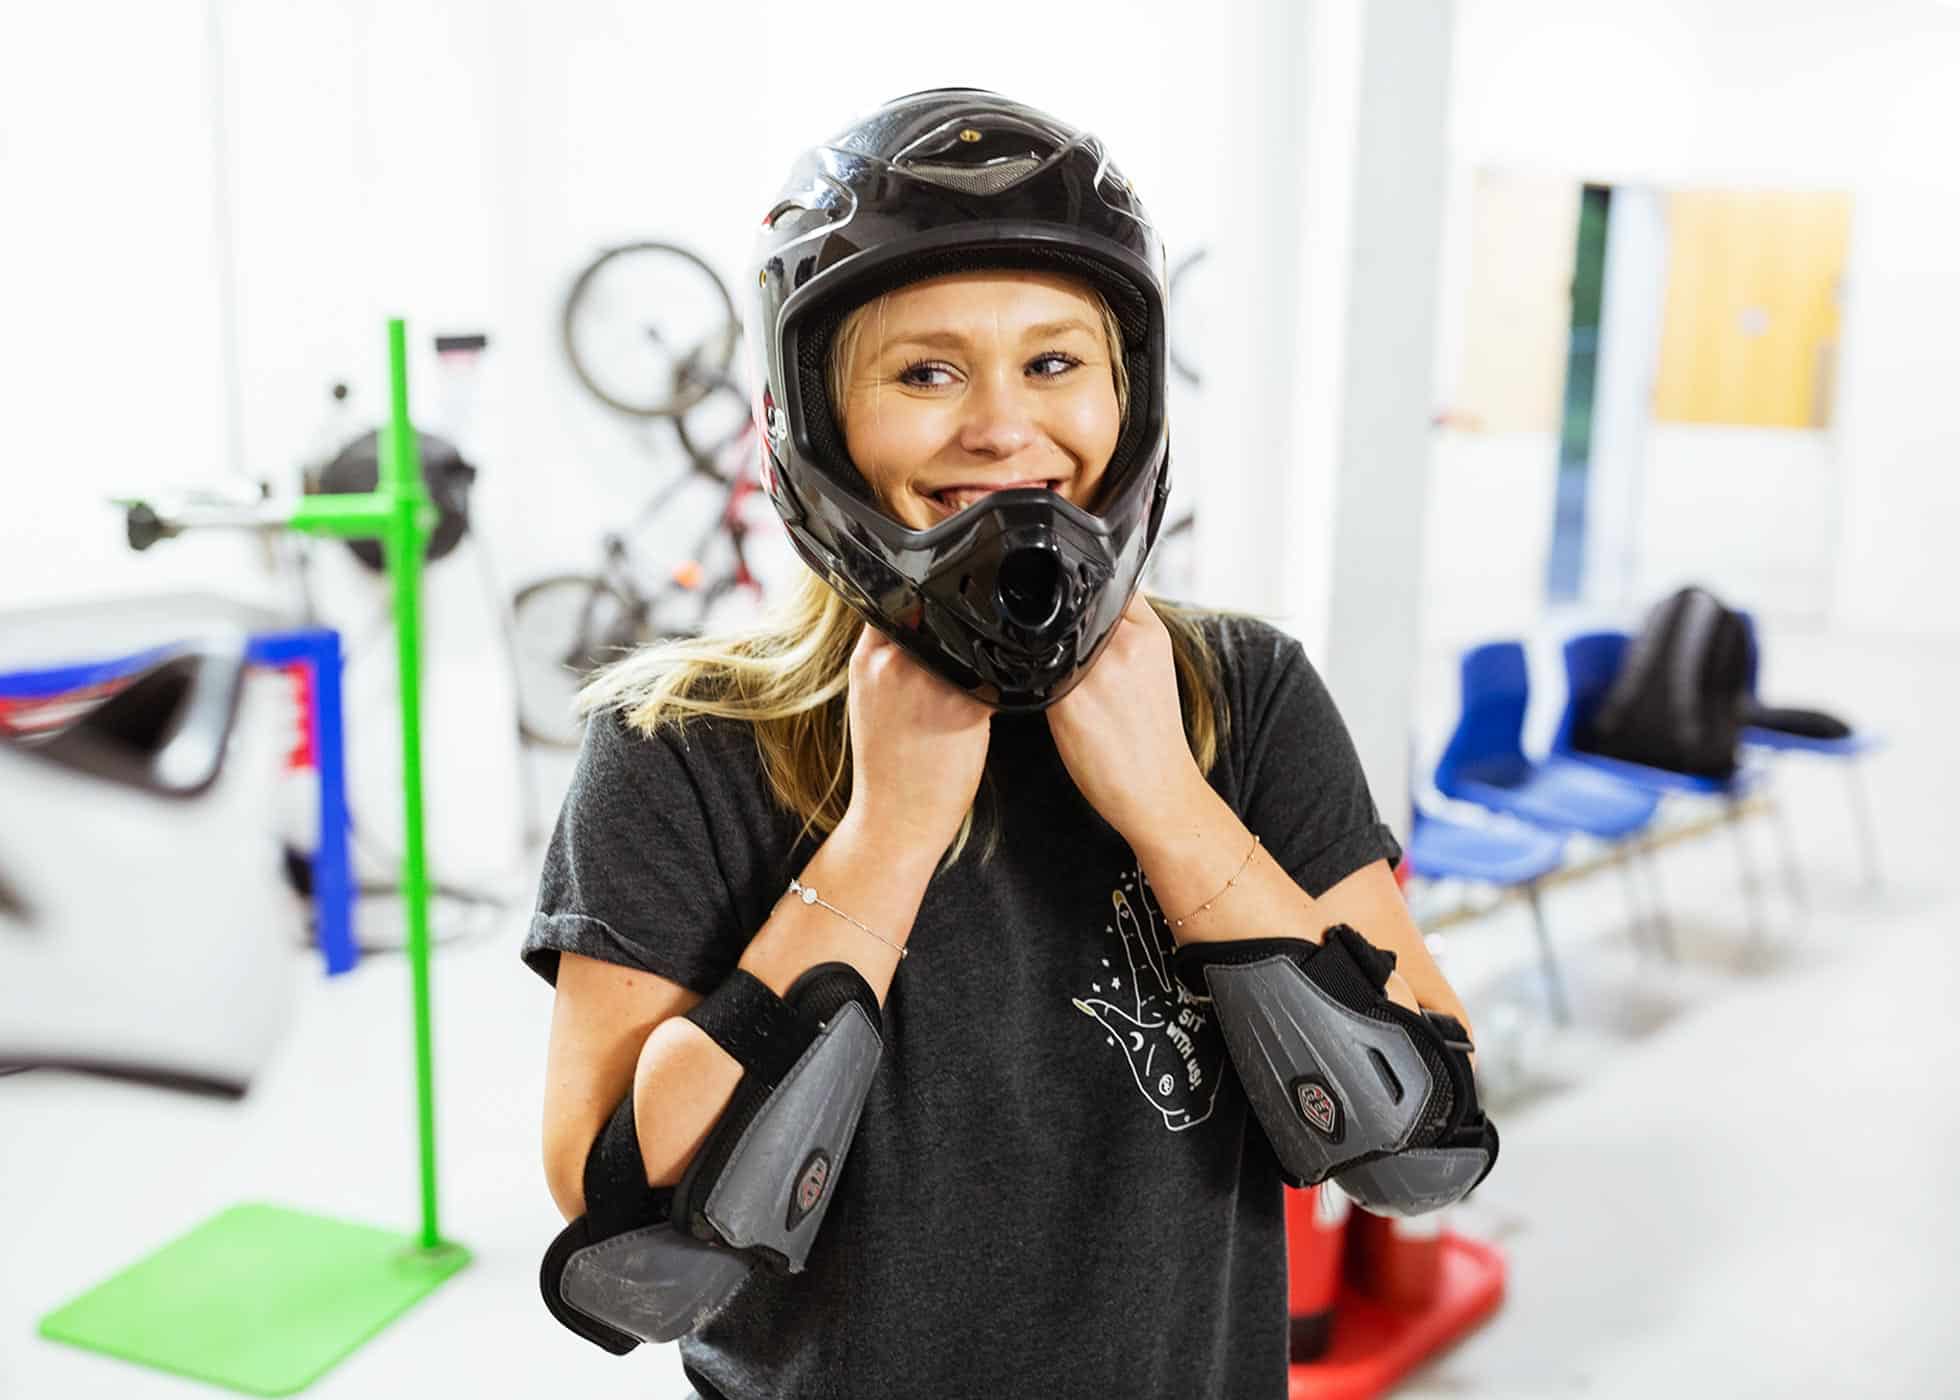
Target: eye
{"points": [[1053, 365], [919, 374]]}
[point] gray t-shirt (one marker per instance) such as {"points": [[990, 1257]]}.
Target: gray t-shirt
{"points": [[1056, 1187]]}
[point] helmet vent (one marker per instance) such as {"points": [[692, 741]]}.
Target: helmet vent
{"points": [[1031, 587], [991, 178]]}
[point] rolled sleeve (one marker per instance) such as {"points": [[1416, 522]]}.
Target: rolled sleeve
{"points": [[630, 875]]}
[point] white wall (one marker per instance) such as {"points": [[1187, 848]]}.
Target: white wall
{"points": [[1801, 94], [112, 363], [1749, 512], [211, 218], [455, 165], [458, 164], [1898, 567]]}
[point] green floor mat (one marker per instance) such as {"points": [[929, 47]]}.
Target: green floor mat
{"points": [[258, 1298]]}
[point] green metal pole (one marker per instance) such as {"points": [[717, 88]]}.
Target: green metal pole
{"points": [[312, 1289], [407, 537]]}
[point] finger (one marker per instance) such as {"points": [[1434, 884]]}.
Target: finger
{"points": [[1136, 940], [1146, 926], [1113, 1019]]}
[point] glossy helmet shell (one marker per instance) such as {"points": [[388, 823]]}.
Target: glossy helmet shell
{"points": [[1014, 597]]}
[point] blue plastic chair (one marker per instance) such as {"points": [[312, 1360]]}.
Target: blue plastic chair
{"points": [[1484, 762], [1592, 660], [1513, 858], [1847, 750]]}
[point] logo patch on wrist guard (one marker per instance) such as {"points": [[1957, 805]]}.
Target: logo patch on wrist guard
{"points": [[810, 1184], [1318, 1106]]}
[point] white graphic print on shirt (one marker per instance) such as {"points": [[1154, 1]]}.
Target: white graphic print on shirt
{"points": [[1172, 1043]]}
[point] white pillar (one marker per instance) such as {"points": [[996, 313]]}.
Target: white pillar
{"points": [[1332, 161], [1386, 330], [1249, 437]]}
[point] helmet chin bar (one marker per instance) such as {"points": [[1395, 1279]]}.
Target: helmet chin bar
{"points": [[1012, 610]]}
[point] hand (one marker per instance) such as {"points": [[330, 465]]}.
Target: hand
{"points": [[918, 747], [1175, 1053], [1120, 732]]}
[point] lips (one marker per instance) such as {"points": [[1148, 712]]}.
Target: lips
{"points": [[958, 496]]}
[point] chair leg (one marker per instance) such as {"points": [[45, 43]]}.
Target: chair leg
{"points": [[1792, 878], [1751, 887], [1554, 986], [1861, 803], [1663, 925]]}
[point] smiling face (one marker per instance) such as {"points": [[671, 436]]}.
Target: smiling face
{"points": [[953, 388]]}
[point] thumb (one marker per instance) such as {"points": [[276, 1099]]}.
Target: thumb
{"points": [[1108, 1016]]}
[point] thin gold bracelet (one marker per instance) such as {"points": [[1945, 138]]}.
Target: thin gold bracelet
{"points": [[1179, 923], [810, 896]]}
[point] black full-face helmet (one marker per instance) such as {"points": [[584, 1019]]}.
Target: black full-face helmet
{"points": [[1013, 598]]}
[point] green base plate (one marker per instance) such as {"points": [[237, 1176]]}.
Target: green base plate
{"points": [[258, 1298]]}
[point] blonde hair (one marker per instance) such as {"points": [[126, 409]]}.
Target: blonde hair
{"points": [[785, 677]]}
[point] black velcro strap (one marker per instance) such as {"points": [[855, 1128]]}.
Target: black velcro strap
{"points": [[1191, 959], [1454, 1036], [1351, 967], [617, 1197], [1346, 965], [761, 1031]]}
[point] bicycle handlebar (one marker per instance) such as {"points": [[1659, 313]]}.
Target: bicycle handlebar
{"points": [[145, 521]]}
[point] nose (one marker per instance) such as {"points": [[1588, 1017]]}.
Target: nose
{"points": [[999, 419]]}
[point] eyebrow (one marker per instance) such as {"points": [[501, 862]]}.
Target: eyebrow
{"points": [[954, 340]]}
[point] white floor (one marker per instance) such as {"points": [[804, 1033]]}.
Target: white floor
{"points": [[1731, 1176]]}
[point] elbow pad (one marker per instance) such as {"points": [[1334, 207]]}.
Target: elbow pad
{"points": [[654, 1264], [1347, 1084]]}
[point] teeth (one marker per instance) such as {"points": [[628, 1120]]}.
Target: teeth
{"points": [[959, 498]]}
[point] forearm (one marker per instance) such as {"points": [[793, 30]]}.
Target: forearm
{"points": [[878, 879], [1192, 851], [1414, 965], [683, 1081]]}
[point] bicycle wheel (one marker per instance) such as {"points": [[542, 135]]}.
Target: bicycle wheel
{"points": [[1186, 315], [565, 627], [709, 430], [635, 315]]}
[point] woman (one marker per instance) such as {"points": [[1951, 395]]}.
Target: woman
{"points": [[1062, 796]]}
